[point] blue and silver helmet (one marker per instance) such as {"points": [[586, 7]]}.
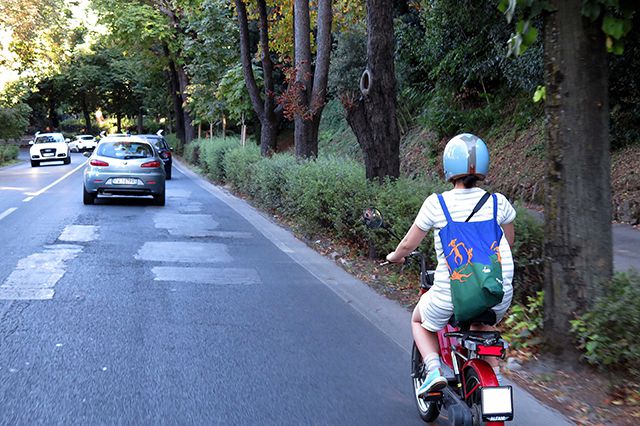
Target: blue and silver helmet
{"points": [[465, 154]]}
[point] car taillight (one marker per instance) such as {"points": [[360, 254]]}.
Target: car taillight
{"points": [[98, 163], [166, 155], [151, 164]]}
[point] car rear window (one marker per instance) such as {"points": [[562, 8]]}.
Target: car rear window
{"points": [[86, 138], [125, 150]]}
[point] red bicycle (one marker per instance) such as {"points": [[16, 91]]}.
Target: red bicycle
{"points": [[473, 395]]}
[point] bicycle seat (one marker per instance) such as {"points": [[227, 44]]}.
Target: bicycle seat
{"points": [[488, 317]]}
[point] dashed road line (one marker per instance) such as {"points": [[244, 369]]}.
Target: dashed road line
{"points": [[26, 200], [46, 188], [7, 212]]}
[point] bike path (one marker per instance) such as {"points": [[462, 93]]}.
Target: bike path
{"points": [[387, 315]]}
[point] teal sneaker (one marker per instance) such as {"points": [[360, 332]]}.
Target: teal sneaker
{"points": [[434, 381]]}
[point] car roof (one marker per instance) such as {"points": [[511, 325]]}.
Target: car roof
{"points": [[127, 138], [79, 136], [48, 134]]}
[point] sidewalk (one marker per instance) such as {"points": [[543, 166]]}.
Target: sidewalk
{"points": [[626, 245]]}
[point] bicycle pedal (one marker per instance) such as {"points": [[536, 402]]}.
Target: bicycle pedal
{"points": [[432, 396]]}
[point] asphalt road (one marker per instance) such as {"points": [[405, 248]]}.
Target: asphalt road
{"points": [[199, 312]]}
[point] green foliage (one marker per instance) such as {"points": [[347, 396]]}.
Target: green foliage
{"points": [[348, 61], [335, 134], [524, 321], [608, 333], [192, 152], [212, 153], [270, 176], [239, 167], [328, 193], [233, 96], [14, 120], [8, 153], [176, 144], [527, 254], [399, 201]]}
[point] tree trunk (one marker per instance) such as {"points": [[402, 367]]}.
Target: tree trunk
{"points": [[119, 122], [264, 109], [140, 120], [311, 86], [86, 114], [183, 81], [372, 116], [578, 246], [176, 99]]}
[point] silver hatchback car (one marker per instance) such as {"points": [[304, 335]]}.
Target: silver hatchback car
{"points": [[124, 166]]}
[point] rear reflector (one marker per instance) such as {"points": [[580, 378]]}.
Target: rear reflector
{"points": [[151, 164], [490, 350], [98, 163]]}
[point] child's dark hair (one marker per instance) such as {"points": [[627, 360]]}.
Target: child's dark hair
{"points": [[469, 181]]}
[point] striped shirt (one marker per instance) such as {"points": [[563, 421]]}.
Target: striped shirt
{"points": [[460, 203]]}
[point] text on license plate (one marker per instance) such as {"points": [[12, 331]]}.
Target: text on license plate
{"points": [[124, 181]]}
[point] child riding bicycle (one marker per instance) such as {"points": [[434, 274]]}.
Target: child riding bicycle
{"points": [[465, 162]]}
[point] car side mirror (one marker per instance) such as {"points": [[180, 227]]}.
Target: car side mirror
{"points": [[86, 154], [31, 142], [67, 140]]}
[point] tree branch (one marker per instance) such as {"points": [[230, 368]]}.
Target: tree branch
{"points": [[323, 40], [245, 55]]}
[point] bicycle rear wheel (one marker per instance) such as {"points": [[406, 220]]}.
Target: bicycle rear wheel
{"points": [[427, 410], [472, 386]]}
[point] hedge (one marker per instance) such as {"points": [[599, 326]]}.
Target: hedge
{"points": [[329, 194]]}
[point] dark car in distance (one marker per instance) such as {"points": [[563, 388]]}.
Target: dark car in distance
{"points": [[163, 148]]}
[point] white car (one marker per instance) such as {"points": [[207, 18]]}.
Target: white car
{"points": [[49, 147], [83, 143]]}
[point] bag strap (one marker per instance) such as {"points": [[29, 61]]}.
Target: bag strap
{"points": [[478, 206], [445, 210]]}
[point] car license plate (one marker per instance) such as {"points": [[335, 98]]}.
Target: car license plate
{"points": [[48, 154], [124, 181], [497, 403]]}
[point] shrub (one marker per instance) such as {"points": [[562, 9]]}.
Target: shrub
{"points": [[239, 167], [192, 152], [270, 175], [328, 193], [399, 201], [175, 143], [524, 322], [609, 332], [212, 152], [8, 153], [527, 254]]}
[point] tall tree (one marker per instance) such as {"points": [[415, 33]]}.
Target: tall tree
{"points": [[372, 116], [578, 247], [310, 84], [265, 106], [578, 244]]}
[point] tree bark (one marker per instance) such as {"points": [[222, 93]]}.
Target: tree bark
{"points": [[183, 82], [140, 120], [86, 114], [119, 121], [311, 86], [176, 97], [264, 109], [578, 245], [372, 116]]}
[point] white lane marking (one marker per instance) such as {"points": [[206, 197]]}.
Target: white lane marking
{"points": [[36, 275], [46, 188], [26, 200], [79, 233], [185, 252], [218, 276], [7, 212]]}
